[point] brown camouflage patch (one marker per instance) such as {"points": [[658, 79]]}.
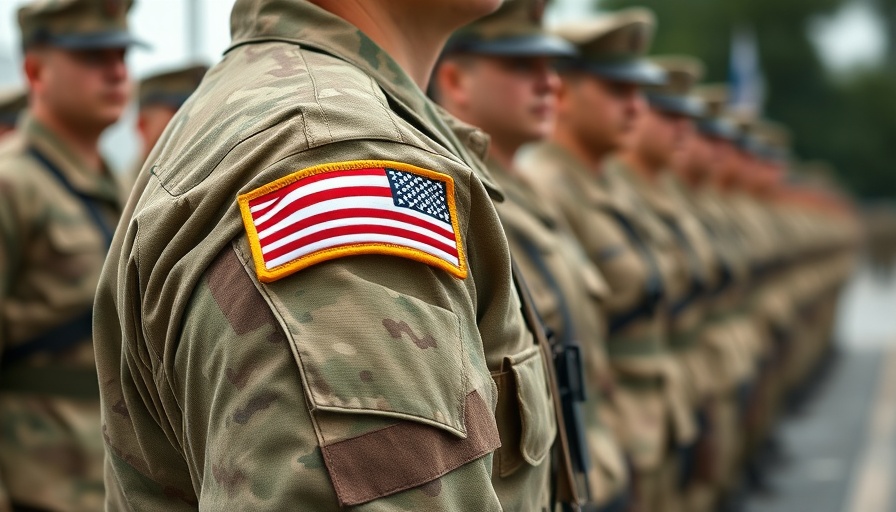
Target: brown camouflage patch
{"points": [[407, 455], [237, 297], [121, 409], [256, 403], [366, 376], [229, 480], [240, 377], [432, 489], [397, 328]]}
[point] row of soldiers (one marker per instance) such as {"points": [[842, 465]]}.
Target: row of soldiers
{"points": [[627, 285]]}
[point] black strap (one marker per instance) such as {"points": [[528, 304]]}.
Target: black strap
{"points": [[88, 202], [57, 339], [654, 290], [698, 282], [79, 328], [570, 369]]}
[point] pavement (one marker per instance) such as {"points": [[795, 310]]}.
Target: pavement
{"points": [[840, 448]]}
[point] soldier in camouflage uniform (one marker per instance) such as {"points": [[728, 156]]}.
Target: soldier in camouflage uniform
{"points": [[600, 98], [13, 102], [159, 96], [312, 305], [59, 204], [498, 74]]}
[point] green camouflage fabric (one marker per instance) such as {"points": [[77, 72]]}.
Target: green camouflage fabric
{"points": [[51, 254], [541, 243], [638, 352], [366, 382], [13, 101]]}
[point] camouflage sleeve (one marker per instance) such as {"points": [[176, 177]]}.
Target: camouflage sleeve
{"points": [[322, 391], [10, 239]]}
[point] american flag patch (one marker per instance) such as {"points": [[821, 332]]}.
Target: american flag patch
{"points": [[350, 208]]}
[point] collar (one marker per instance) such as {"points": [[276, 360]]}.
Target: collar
{"points": [[101, 185]]}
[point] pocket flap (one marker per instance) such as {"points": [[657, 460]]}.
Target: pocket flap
{"points": [[536, 409]]}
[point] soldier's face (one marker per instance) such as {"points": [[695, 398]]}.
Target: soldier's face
{"points": [[514, 99], [658, 135], [151, 122], [84, 88], [601, 111]]}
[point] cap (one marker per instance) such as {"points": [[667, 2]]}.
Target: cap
{"points": [[12, 102], [775, 140], [514, 30], [675, 96], [77, 24], [170, 88], [714, 122], [613, 46]]}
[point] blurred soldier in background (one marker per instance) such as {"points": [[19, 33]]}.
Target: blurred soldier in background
{"points": [[313, 305], [498, 74], [13, 101], [663, 131], [599, 100], [159, 97], [59, 204]]}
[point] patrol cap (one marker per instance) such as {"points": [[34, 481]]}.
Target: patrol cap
{"points": [[613, 46], [514, 30], [170, 88], [675, 96], [714, 122], [76, 24], [12, 102], [774, 141]]}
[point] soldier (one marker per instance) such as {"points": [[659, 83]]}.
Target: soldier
{"points": [[12, 102], [644, 169], [59, 204], [312, 305], [599, 99], [498, 75], [159, 97]]}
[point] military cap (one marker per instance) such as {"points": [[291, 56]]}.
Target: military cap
{"points": [[676, 95], [613, 46], [12, 102], [515, 29], [715, 122], [76, 24], [774, 141], [170, 88]]}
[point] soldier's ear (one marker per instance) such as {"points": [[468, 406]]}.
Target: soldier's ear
{"points": [[450, 84], [33, 65]]}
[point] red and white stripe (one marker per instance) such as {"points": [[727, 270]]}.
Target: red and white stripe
{"points": [[341, 208]]}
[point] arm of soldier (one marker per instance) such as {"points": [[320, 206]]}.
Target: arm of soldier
{"points": [[314, 392], [10, 242]]}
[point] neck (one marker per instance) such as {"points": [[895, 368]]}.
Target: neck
{"points": [[413, 38], [590, 155], [81, 141], [503, 154], [641, 166]]}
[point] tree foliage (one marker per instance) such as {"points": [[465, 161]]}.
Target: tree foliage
{"points": [[849, 121]]}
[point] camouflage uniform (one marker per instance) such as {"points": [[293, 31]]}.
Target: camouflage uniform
{"points": [[567, 289], [169, 90], [57, 216], [13, 101], [365, 381]]}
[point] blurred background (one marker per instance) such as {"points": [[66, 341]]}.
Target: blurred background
{"points": [[824, 68]]}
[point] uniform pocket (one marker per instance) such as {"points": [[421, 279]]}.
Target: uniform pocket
{"points": [[525, 412]]}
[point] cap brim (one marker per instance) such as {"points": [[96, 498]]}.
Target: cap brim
{"points": [[96, 41], [676, 105], [535, 45], [635, 71], [718, 129]]}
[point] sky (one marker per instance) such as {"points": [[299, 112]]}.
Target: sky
{"points": [[849, 38]]}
